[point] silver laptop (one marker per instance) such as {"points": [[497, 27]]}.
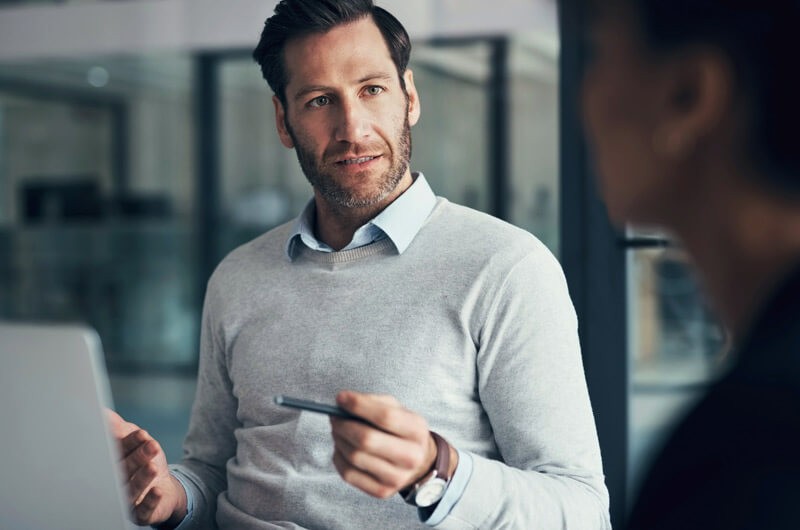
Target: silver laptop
{"points": [[58, 461]]}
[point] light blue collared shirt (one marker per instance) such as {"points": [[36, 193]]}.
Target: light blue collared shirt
{"points": [[400, 222]]}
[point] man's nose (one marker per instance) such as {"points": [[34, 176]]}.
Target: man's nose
{"points": [[353, 122]]}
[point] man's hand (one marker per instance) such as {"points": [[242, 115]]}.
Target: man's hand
{"points": [[156, 497], [384, 460]]}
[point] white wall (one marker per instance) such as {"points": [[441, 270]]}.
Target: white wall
{"points": [[141, 26]]}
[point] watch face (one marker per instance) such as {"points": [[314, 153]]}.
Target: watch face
{"points": [[430, 492]]}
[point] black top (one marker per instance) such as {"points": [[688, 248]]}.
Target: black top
{"points": [[734, 462]]}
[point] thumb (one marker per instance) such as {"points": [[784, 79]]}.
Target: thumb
{"points": [[119, 427]]}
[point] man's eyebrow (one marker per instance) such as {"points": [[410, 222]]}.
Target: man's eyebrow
{"points": [[377, 76], [303, 91]]}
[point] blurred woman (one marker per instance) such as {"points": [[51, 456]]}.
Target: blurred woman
{"points": [[691, 110]]}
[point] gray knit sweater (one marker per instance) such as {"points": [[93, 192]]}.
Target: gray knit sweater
{"points": [[471, 327]]}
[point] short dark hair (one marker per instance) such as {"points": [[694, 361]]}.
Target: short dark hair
{"points": [[759, 38], [297, 18]]}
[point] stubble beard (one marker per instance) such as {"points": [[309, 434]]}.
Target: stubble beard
{"points": [[332, 191]]}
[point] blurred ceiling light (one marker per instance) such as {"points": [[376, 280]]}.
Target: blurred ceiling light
{"points": [[97, 76]]}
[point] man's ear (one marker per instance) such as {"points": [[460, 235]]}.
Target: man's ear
{"points": [[414, 108], [280, 123], [697, 102]]}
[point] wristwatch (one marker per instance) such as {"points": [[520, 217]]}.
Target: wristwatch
{"points": [[431, 488]]}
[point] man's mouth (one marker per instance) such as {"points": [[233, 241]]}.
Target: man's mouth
{"points": [[359, 160]]}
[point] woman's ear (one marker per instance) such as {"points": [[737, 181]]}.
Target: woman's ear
{"points": [[280, 123], [697, 101]]}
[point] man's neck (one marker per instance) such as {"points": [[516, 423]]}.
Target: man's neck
{"points": [[335, 225]]}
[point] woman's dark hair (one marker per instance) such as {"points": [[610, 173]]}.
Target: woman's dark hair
{"points": [[296, 18], [758, 36]]}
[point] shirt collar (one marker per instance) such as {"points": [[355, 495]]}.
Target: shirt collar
{"points": [[400, 221]]}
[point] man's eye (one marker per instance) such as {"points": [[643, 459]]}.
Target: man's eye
{"points": [[374, 90], [320, 101]]}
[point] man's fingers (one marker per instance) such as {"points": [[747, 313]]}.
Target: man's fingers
{"points": [[350, 398], [360, 479], [118, 426], [140, 481], [145, 470], [139, 441], [357, 441], [143, 512], [141, 469], [131, 442], [382, 470], [376, 460], [385, 412]]}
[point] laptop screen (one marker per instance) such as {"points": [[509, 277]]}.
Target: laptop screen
{"points": [[58, 458]]}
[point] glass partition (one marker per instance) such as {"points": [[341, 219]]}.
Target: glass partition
{"points": [[676, 347], [450, 141], [260, 181], [534, 124], [96, 194]]}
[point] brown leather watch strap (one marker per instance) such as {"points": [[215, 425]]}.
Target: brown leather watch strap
{"points": [[442, 463], [440, 468]]}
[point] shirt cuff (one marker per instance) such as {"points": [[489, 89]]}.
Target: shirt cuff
{"points": [[186, 521], [453, 493]]}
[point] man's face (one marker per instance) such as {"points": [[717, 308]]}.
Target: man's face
{"points": [[347, 115]]}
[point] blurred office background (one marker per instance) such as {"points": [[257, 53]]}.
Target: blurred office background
{"points": [[137, 147]]}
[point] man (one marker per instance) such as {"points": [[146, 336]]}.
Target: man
{"points": [[430, 315]]}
